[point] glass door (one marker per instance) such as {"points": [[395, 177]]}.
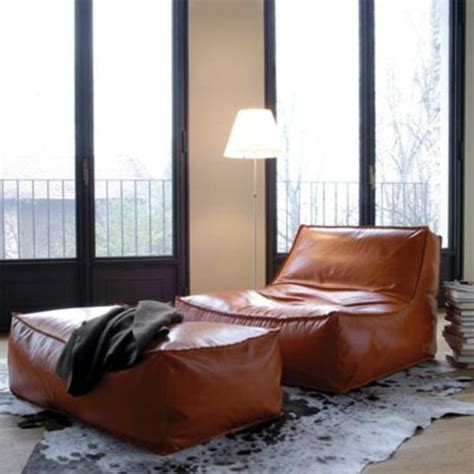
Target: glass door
{"points": [[369, 97], [137, 150], [418, 92], [92, 153], [133, 128], [37, 185], [412, 114], [317, 104], [37, 156]]}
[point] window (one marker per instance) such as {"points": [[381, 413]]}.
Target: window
{"points": [[412, 110], [367, 95], [317, 106], [37, 187], [93, 124], [133, 125]]}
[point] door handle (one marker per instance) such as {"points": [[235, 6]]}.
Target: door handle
{"points": [[85, 172], [372, 176]]}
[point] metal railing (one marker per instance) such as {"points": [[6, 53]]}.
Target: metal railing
{"points": [[337, 203], [134, 217], [38, 218], [402, 203]]}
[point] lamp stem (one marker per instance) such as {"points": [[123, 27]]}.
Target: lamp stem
{"points": [[255, 224]]}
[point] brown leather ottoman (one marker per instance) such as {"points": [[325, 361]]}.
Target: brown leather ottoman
{"points": [[203, 380]]}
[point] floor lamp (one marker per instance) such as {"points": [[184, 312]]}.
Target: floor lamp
{"points": [[254, 136]]}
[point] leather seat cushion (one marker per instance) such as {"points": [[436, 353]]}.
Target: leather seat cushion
{"points": [[314, 327], [284, 302], [203, 380]]}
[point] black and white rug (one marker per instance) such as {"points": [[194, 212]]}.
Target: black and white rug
{"points": [[318, 433]]}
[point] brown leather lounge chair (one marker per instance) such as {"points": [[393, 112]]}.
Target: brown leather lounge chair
{"points": [[353, 304]]}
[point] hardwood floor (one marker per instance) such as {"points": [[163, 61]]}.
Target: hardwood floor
{"points": [[446, 447]]}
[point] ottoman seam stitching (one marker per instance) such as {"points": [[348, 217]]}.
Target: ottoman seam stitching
{"points": [[214, 348], [34, 328], [155, 351]]}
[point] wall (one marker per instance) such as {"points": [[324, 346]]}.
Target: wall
{"points": [[226, 59], [226, 74], [469, 147]]}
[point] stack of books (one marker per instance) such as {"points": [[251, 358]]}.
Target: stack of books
{"points": [[459, 333]]}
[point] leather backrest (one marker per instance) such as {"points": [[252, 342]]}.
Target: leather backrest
{"points": [[381, 259]]}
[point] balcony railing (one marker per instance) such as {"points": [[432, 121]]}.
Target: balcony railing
{"points": [[135, 218], [337, 203], [38, 218]]}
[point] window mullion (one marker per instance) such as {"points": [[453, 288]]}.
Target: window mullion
{"points": [[367, 112], [84, 140]]}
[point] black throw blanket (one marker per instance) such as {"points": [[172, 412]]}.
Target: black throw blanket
{"points": [[113, 341]]}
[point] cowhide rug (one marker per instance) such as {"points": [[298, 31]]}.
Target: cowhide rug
{"points": [[318, 433]]}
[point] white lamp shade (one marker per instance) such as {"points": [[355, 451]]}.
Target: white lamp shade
{"points": [[254, 136]]}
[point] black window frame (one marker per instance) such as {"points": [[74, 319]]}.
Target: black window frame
{"points": [[83, 276], [452, 256]]}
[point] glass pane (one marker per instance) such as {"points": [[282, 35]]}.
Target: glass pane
{"points": [[412, 101], [317, 71], [37, 191], [133, 127]]}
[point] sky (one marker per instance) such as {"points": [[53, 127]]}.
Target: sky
{"points": [[132, 96]]}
